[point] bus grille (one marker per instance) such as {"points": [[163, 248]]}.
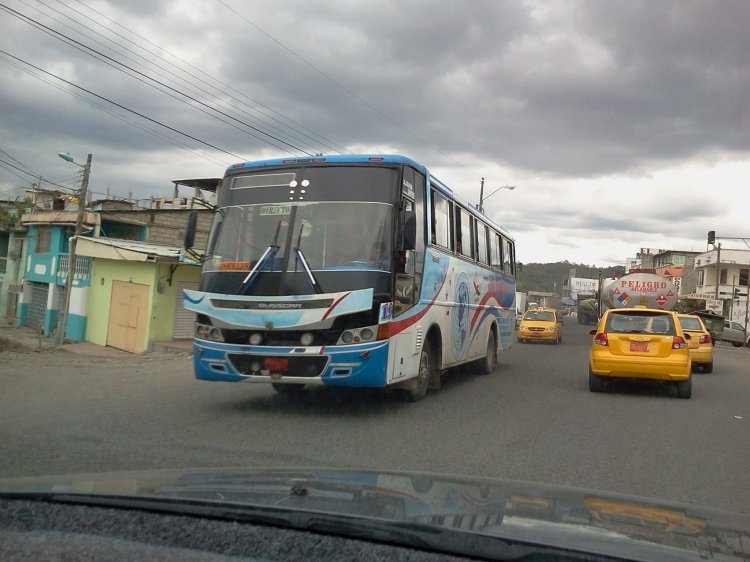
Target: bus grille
{"points": [[286, 365]]}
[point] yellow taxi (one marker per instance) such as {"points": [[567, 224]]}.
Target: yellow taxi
{"points": [[640, 344], [700, 344], [540, 324]]}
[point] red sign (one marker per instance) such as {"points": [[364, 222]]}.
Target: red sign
{"points": [[661, 300]]}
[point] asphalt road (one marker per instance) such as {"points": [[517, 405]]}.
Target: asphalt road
{"points": [[534, 420]]}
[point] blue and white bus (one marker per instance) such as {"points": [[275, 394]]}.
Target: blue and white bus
{"points": [[351, 271]]}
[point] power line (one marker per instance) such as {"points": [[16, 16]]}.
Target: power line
{"points": [[119, 116], [297, 127], [141, 115], [7, 169], [140, 76], [165, 74], [337, 83], [28, 171]]}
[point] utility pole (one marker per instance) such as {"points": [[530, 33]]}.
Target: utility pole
{"points": [[747, 309], [82, 197], [718, 269]]}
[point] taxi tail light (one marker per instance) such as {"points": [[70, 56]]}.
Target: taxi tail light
{"points": [[601, 339], [705, 338], [678, 342]]}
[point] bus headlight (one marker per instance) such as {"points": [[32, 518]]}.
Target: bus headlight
{"points": [[256, 338], [205, 332], [358, 335], [307, 339]]}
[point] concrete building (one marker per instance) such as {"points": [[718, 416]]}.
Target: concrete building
{"points": [[722, 279], [677, 266], [50, 222], [12, 258]]}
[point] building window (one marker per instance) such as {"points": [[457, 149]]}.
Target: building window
{"points": [[42, 239], [701, 277], [723, 277], [744, 274]]}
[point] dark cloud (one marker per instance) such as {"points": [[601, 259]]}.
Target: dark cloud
{"points": [[564, 92]]}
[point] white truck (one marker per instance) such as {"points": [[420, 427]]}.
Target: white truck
{"points": [[521, 304], [521, 301]]}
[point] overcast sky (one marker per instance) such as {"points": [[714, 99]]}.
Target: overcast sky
{"points": [[622, 124]]}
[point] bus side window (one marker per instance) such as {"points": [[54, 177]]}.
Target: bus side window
{"points": [[482, 243], [507, 257], [495, 259], [441, 220], [463, 233]]}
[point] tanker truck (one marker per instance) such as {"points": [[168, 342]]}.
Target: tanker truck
{"points": [[639, 289]]}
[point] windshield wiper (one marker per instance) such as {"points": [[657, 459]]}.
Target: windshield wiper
{"points": [[301, 258], [269, 254], [310, 276]]}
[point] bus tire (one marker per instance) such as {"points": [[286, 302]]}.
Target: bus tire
{"points": [[418, 386], [488, 363]]}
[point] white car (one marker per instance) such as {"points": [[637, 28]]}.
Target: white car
{"points": [[734, 333]]}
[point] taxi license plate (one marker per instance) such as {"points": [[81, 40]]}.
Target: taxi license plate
{"points": [[641, 346], [276, 364]]}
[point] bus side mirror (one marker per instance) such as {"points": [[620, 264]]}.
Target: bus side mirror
{"points": [[192, 225], [405, 263]]}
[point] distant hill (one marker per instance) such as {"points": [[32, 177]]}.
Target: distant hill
{"points": [[550, 277]]}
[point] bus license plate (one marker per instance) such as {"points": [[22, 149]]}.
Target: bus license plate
{"points": [[276, 364], [641, 346]]}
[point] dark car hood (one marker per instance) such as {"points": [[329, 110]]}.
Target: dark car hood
{"points": [[582, 520]]}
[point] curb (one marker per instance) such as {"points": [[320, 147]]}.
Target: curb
{"points": [[22, 342]]}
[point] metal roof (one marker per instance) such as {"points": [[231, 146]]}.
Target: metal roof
{"points": [[127, 250]]}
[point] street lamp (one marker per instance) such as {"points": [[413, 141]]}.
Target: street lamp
{"points": [[82, 194], [480, 206]]}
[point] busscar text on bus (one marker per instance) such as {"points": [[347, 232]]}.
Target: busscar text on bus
{"points": [[351, 271]]}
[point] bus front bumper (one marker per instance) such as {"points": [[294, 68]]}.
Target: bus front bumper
{"points": [[360, 365]]}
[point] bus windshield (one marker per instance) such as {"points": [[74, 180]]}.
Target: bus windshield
{"points": [[326, 235]]}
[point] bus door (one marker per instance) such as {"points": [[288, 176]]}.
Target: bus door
{"points": [[405, 346]]}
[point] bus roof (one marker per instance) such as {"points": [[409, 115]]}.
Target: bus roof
{"points": [[332, 158]]}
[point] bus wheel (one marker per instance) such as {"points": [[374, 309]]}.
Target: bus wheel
{"points": [[418, 386], [288, 389], [488, 363]]}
